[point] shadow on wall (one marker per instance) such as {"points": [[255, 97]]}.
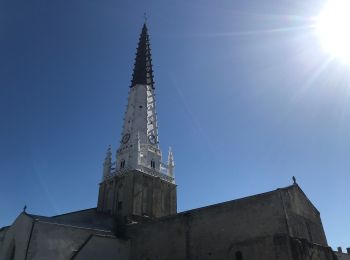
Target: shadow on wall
{"points": [[11, 253]]}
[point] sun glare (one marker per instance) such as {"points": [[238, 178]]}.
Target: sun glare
{"points": [[333, 28]]}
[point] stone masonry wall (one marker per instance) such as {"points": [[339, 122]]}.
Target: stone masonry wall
{"points": [[303, 218], [16, 238], [137, 193], [211, 232]]}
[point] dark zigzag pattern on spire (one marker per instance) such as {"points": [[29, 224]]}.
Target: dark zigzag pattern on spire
{"points": [[143, 72]]}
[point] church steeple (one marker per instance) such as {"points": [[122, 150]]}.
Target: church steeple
{"points": [[139, 145], [140, 184], [143, 72]]}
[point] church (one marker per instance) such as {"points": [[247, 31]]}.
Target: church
{"points": [[136, 215]]}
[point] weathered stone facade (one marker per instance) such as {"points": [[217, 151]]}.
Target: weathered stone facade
{"points": [[137, 194], [277, 225], [258, 227]]}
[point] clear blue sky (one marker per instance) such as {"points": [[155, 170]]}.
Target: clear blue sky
{"points": [[245, 98]]}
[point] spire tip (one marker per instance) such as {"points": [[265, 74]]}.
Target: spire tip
{"points": [[143, 73]]}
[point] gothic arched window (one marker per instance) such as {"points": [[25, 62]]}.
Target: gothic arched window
{"points": [[122, 164], [239, 255]]}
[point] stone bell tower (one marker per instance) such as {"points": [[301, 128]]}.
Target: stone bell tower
{"points": [[138, 185]]}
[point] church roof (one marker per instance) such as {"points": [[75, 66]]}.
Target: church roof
{"points": [[4, 228], [87, 219], [143, 72]]}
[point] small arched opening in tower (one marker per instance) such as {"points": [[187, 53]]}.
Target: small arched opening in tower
{"points": [[239, 255], [122, 164]]}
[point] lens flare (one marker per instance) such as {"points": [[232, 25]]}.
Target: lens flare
{"points": [[333, 28]]}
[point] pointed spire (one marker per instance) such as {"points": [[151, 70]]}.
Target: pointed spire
{"points": [[143, 72], [107, 165], [171, 163]]}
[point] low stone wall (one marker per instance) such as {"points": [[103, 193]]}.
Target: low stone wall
{"points": [[304, 250], [342, 256]]}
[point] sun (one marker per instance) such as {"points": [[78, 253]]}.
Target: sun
{"points": [[333, 28]]}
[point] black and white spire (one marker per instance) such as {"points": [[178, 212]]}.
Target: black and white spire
{"points": [[143, 72], [139, 143]]}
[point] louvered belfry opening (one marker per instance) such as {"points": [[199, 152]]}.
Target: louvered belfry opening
{"points": [[143, 72]]}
